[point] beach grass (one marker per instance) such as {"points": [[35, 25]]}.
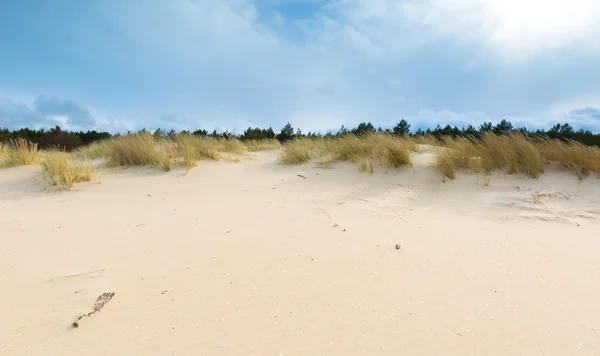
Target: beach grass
{"points": [[61, 171], [19, 152]]}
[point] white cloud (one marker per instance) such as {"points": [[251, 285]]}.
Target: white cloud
{"points": [[223, 64], [515, 29], [565, 107]]}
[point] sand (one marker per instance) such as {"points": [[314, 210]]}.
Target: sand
{"points": [[251, 259]]}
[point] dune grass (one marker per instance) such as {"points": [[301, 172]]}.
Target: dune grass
{"points": [[515, 153], [512, 153], [144, 149], [193, 148], [19, 152], [61, 171], [300, 151], [366, 151], [427, 140], [260, 145], [138, 149], [570, 155], [94, 150]]}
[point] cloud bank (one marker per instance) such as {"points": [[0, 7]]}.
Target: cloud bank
{"points": [[229, 64]]}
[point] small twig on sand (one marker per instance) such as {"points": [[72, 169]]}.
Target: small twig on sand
{"points": [[100, 302], [301, 176], [589, 327], [78, 274], [456, 332]]}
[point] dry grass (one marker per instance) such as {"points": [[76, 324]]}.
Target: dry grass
{"points": [[94, 150], [365, 151], [515, 153], [193, 148], [300, 151], [19, 152], [260, 145], [570, 155], [138, 149], [427, 140], [227, 145], [143, 149], [60, 171], [446, 162]]}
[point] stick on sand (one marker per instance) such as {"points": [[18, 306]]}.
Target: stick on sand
{"points": [[100, 302]]}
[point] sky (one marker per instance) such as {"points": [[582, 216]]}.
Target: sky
{"points": [[319, 64]]}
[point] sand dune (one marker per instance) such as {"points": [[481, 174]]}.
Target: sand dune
{"points": [[253, 259]]}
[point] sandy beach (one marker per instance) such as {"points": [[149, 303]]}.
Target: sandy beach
{"points": [[257, 258]]}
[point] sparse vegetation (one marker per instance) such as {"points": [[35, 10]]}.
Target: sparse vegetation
{"points": [[511, 153], [299, 151], [488, 148], [142, 149], [94, 150], [516, 153], [133, 150], [260, 145], [60, 171], [571, 155], [19, 152], [363, 150]]}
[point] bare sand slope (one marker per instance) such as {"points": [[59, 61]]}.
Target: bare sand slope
{"points": [[252, 259]]}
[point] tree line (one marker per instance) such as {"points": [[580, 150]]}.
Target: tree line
{"points": [[69, 140]]}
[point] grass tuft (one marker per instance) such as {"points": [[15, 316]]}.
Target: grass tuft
{"points": [[364, 151], [133, 150], [446, 163], [19, 152], [259, 145], [94, 150], [298, 151], [571, 155], [512, 153], [60, 171]]}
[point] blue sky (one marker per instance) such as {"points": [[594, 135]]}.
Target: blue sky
{"points": [[319, 64]]}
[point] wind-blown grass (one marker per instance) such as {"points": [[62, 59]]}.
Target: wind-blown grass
{"points": [[300, 151], [94, 150], [138, 149], [515, 153], [19, 152], [142, 149], [365, 151], [571, 155], [260, 145], [427, 140], [59, 170]]}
